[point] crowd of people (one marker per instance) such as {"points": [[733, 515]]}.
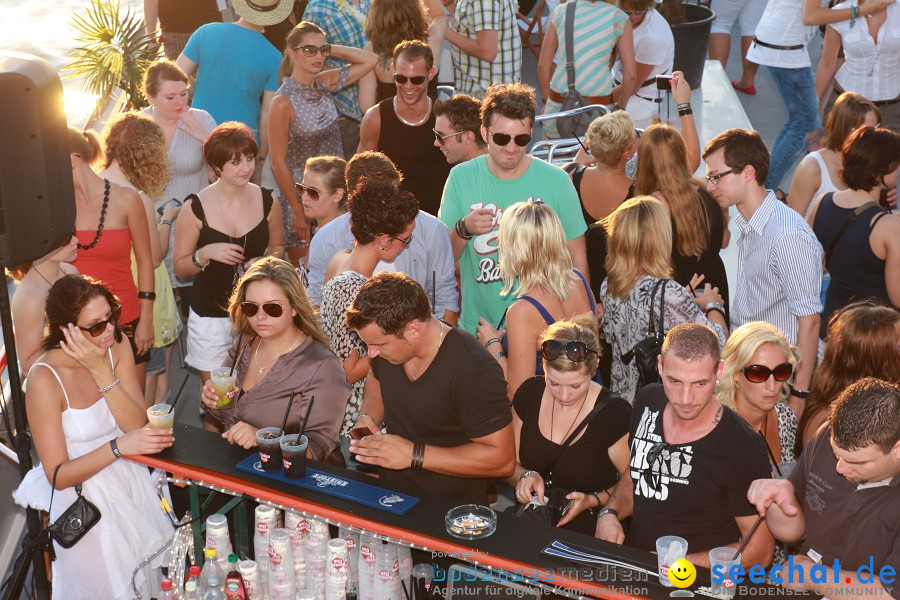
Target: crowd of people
{"points": [[315, 218]]}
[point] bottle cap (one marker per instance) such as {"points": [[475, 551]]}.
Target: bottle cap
{"points": [[190, 586], [232, 558], [166, 585], [195, 570], [210, 553]]}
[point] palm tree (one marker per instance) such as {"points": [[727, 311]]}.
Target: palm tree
{"points": [[115, 52]]}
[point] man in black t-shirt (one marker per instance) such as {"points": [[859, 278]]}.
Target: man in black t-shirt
{"points": [[692, 460], [441, 395]]}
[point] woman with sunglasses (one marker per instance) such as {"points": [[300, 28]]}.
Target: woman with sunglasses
{"points": [[86, 410], [863, 341], [759, 367], [640, 256], [548, 289], [282, 351], [323, 190], [382, 219], [549, 409], [303, 121]]}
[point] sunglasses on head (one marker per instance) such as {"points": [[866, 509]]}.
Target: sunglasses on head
{"points": [[310, 50], [761, 373], [312, 192], [415, 79], [502, 139], [575, 351], [273, 309], [98, 328]]}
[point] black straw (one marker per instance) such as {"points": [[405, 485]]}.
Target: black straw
{"points": [[405, 591], [237, 353], [284, 421], [747, 537], [178, 395], [306, 416]]}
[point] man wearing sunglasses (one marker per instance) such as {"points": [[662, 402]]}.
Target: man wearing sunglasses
{"points": [[692, 460], [478, 191], [779, 257], [402, 126], [457, 128], [440, 394], [842, 498]]}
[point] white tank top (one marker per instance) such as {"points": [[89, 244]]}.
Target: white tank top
{"points": [[826, 184]]}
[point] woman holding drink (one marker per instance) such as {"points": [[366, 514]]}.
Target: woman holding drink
{"points": [[281, 349]]}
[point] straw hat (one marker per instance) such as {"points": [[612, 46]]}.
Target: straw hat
{"points": [[263, 12]]}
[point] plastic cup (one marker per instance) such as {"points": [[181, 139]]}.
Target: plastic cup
{"points": [[669, 548], [223, 379], [724, 557], [269, 440], [161, 416], [293, 455]]}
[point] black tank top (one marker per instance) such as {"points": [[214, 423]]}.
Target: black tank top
{"points": [[213, 285], [424, 167]]}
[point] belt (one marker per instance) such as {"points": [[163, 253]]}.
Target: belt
{"points": [[607, 99], [657, 100], [758, 42], [838, 90]]}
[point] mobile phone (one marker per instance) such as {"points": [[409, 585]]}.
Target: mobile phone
{"points": [[565, 508], [162, 207], [358, 433], [664, 82], [883, 199]]}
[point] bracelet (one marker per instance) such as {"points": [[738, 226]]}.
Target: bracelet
{"points": [[528, 473], [802, 394], [418, 456], [147, 295], [196, 260], [500, 354], [854, 13], [166, 222], [597, 496], [608, 511], [683, 105], [462, 231], [714, 306], [684, 112], [103, 390], [493, 340], [115, 447]]}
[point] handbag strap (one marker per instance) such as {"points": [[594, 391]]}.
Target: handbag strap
{"points": [[53, 487], [602, 401], [570, 45], [851, 219], [658, 289]]}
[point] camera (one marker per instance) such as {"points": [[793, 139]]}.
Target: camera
{"points": [[664, 82]]}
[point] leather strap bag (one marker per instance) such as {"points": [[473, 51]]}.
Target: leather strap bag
{"points": [[76, 521], [646, 352], [576, 125]]}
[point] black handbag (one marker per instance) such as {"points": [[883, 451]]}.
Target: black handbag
{"points": [[645, 353], [575, 125], [76, 521]]}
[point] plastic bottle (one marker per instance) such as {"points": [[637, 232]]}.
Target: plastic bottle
{"points": [[195, 577], [234, 583], [214, 588], [167, 593], [210, 568], [190, 591]]}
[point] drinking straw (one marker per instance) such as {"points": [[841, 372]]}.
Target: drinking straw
{"points": [[306, 416], [405, 591], [284, 421], [178, 395], [747, 537], [237, 353]]}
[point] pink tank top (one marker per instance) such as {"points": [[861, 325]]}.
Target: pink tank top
{"points": [[110, 262]]}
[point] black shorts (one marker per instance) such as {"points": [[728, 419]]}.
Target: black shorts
{"points": [[128, 330]]}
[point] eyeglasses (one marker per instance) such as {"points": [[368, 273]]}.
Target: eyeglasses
{"points": [[98, 328], [440, 138], [415, 79], [635, 13], [575, 351], [312, 192], [715, 178], [653, 476], [502, 139], [761, 373], [310, 50], [405, 242], [273, 309]]}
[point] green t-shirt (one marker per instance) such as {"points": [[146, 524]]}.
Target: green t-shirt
{"points": [[471, 185]]}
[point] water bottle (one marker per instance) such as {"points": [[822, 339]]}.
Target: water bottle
{"points": [[194, 577], [190, 591], [214, 589], [167, 593], [210, 569]]}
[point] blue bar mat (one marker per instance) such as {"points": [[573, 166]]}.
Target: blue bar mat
{"points": [[334, 485]]}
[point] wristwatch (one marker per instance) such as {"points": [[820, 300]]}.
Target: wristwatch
{"points": [[608, 511]]}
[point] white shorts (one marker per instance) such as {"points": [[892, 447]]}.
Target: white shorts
{"points": [[208, 341], [746, 12]]}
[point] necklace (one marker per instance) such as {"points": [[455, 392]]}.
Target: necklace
{"points": [[41, 275], [440, 341], [102, 218], [417, 123], [261, 368], [575, 420]]}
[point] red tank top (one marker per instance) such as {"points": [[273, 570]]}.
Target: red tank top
{"points": [[110, 262]]}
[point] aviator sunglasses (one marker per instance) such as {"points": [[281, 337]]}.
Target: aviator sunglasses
{"points": [[576, 351], [310, 50], [502, 139], [273, 309], [415, 79], [312, 192], [97, 329], [761, 373]]}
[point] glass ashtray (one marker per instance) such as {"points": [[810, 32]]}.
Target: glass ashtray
{"points": [[471, 521]]}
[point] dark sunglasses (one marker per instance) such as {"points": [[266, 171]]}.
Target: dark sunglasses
{"points": [[310, 50], [635, 13], [415, 79], [98, 328], [653, 477], [312, 192], [502, 139], [575, 351], [761, 373], [440, 138], [273, 309]]}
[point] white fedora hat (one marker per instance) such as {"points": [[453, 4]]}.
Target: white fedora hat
{"points": [[263, 12]]}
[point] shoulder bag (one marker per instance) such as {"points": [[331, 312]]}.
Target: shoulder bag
{"points": [[575, 125], [646, 352], [76, 521], [851, 219]]}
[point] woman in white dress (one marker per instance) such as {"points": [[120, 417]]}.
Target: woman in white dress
{"points": [[85, 410]]}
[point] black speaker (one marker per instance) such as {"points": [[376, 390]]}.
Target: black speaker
{"points": [[37, 197]]}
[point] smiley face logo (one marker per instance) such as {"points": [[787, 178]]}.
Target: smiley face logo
{"points": [[682, 573]]}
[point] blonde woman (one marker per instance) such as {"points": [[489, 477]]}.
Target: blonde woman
{"points": [[759, 370], [640, 248], [547, 288]]}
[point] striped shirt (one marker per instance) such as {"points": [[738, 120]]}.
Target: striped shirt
{"points": [[472, 75], [779, 268]]}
